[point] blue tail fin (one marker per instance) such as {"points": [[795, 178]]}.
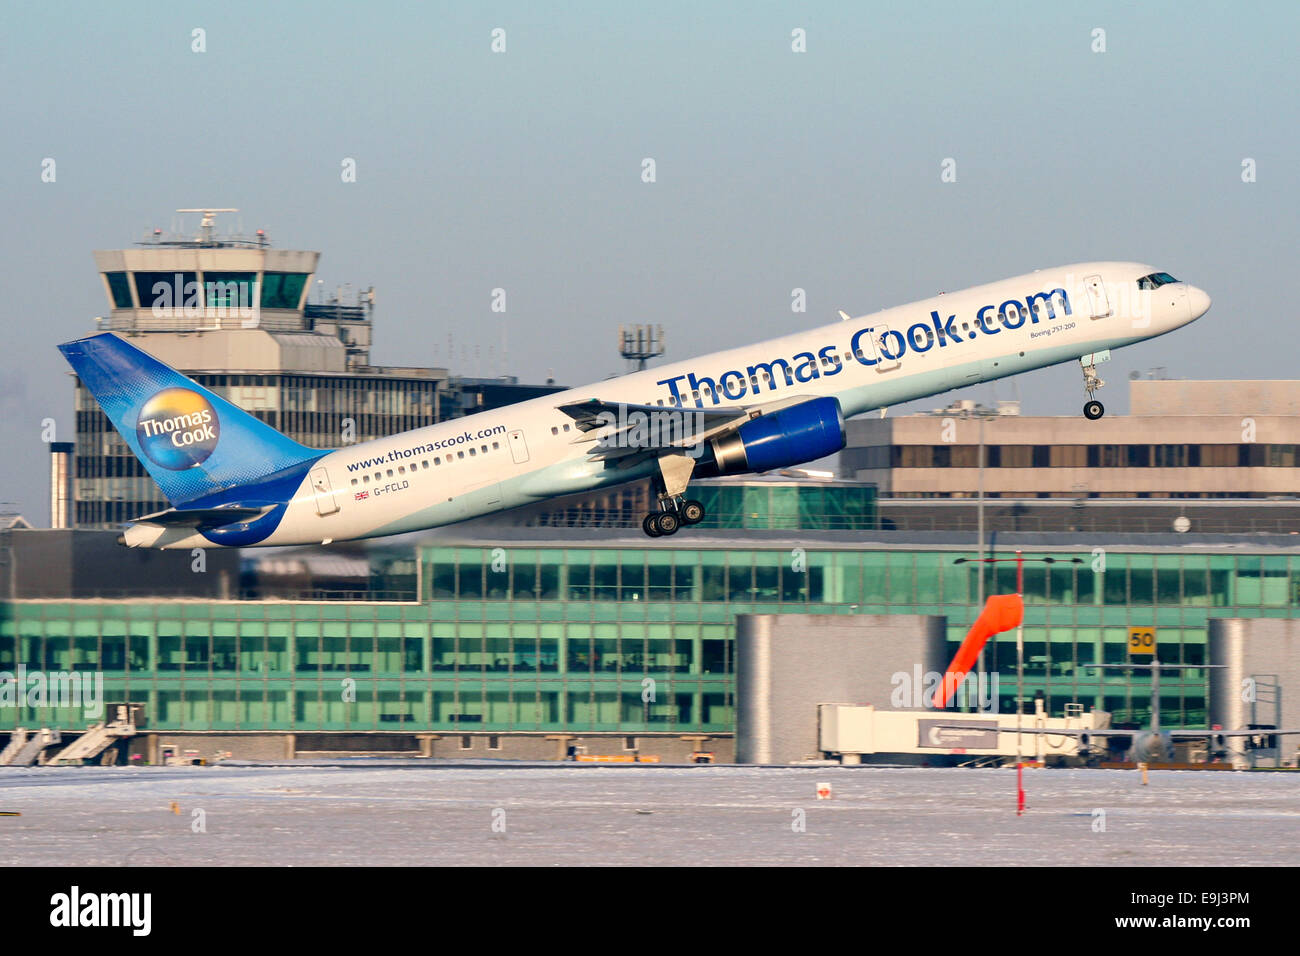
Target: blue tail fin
{"points": [[192, 442]]}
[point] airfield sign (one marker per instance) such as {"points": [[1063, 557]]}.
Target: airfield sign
{"points": [[1141, 642]]}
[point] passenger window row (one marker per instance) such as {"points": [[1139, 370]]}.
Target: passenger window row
{"points": [[424, 464]]}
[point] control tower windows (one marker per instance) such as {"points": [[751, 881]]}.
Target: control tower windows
{"points": [[165, 290], [229, 290], [282, 290], [120, 289]]}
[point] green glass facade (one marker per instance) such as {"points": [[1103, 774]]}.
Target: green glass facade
{"points": [[551, 638], [838, 506]]}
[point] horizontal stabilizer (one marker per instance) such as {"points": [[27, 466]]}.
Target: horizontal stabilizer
{"points": [[204, 519]]}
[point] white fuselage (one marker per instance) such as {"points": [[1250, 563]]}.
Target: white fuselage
{"points": [[511, 456]]}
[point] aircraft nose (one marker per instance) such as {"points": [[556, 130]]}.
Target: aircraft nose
{"points": [[1198, 303]]}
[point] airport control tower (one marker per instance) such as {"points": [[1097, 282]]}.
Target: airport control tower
{"points": [[233, 313]]}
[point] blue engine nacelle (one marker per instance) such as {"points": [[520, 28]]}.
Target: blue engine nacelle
{"points": [[790, 436]]}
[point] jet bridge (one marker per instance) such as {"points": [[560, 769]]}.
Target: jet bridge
{"points": [[852, 732]]}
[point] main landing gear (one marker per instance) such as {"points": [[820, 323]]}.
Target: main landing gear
{"points": [[677, 513], [675, 509], [1092, 409]]}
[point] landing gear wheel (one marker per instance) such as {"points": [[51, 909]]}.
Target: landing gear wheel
{"points": [[648, 526], [665, 522], [1093, 409], [692, 512]]}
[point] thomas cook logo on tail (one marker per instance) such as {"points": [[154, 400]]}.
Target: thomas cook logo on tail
{"points": [[177, 429]]}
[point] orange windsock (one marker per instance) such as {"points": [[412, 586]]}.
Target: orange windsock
{"points": [[1001, 613]]}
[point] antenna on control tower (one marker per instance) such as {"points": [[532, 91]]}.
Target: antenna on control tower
{"points": [[209, 220], [640, 343]]}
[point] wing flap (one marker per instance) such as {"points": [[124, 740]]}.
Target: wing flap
{"points": [[615, 433], [593, 413]]}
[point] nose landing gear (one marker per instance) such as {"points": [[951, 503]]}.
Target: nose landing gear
{"points": [[1093, 409]]}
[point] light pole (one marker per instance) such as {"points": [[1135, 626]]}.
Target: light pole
{"points": [[983, 414], [979, 518]]}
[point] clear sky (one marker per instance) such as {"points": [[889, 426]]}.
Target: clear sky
{"points": [[775, 170]]}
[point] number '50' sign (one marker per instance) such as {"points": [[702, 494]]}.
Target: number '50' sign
{"points": [[1141, 641]]}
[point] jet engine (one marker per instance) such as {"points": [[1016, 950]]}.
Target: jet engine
{"points": [[790, 436]]}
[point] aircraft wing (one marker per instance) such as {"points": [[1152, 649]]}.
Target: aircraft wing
{"points": [[593, 413], [619, 429], [205, 518]]}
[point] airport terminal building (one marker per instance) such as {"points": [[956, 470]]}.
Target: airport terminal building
{"points": [[522, 642], [1182, 440]]}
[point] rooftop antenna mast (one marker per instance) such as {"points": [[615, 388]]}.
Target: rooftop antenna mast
{"points": [[640, 343], [209, 220]]}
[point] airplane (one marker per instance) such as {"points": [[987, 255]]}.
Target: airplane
{"points": [[1149, 745], [234, 481]]}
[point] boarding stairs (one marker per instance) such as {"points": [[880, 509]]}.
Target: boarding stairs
{"points": [[97, 738], [16, 741], [24, 749]]}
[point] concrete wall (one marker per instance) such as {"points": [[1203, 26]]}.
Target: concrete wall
{"points": [[1267, 652], [64, 564], [1237, 397], [787, 664], [271, 746], [147, 747], [246, 351]]}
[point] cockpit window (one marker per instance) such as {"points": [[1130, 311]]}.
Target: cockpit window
{"points": [[1155, 280]]}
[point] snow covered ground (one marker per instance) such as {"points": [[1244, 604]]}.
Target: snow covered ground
{"points": [[371, 812]]}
